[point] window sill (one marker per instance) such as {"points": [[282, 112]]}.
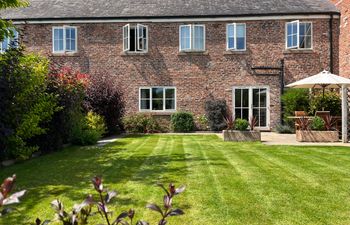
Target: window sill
{"points": [[134, 53], [159, 113], [66, 54], [228, 52], [298, 51], [193, 53]]}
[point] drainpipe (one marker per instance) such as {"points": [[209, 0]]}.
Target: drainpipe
{"points": [[331, 44], [282, 89]]}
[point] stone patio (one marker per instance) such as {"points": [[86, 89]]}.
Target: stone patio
{"points": [[272, 138]]}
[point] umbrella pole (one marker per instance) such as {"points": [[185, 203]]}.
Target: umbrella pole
{"points": [[344, 114]]}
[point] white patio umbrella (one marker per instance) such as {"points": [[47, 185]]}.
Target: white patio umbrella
{"points": [[324, 80]]}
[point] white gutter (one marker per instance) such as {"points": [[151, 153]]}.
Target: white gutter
{"points": [[174, 20]]}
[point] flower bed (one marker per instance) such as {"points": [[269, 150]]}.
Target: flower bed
{"points": [[241, 136], [317, 136]]}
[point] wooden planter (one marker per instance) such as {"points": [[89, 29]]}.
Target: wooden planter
{"points": [[241, 136], [317, 136]]}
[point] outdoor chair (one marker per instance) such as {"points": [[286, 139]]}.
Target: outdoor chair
{"points": [[298, 114], [323, 114]]}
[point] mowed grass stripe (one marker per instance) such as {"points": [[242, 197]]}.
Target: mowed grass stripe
{"points": [[294, 194], [202, 185], [240, 191], [227, 183], [264, 166]]}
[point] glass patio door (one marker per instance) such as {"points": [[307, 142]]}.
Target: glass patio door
{"points": [[252, 102]]}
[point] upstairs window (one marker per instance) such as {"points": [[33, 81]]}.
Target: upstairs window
{"points": [[64, 39], [192, 38], [157, 99], [299, 35], [8, 42], [135, 38], [236, 36]]}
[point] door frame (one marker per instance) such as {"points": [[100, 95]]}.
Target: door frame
{"points": [[250, 88]]}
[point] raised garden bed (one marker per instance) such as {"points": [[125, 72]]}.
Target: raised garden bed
{"points": [[241, 136], [317, 136]]}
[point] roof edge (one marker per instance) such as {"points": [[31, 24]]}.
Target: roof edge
{"points": [[307, 14]]}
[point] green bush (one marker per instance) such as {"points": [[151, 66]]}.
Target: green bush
{"points": [[202, 122], [182, 122], [164, 124], [215, 110], [140, 123], [295, 100], [317, 123], [284, 129], [88, 130], [331, 101], [24, 103], [241, 124]]}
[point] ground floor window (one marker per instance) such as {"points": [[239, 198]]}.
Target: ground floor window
{"points": [[157, 99], [252, 102]]}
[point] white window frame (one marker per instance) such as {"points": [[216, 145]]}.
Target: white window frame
{"points": [[251, 106], [180, 41], [192, 35], [298, 22], [126, 37], [9, 40], [138, 49], [64, 51], [141, 37], [164, 99], [235, 37]]}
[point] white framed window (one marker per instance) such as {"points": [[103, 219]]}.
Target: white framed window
{"points": [[192, 37], [135, 38], [236, 36], [10, 41], [157, 99], [64, 39], [298, 35], [251, 101]]}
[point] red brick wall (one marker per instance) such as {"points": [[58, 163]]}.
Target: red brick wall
{"points": [[344, 44], [196, 77]]}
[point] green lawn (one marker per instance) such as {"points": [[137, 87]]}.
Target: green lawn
{"points": [[227, 183]]}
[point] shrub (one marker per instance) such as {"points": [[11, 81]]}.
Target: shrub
{"points": [[88, 130], [164, 124], [294, 100], [253, 121], [303, 123], [182, 122], [331, 101], [104, 97], [241, 124], [140, 123], [215, 111], [329, 123], [284, 129], [70, 87], [25, 105], [317, 123], [230, 121], [202, 122], [6, 198], [81, 213]]}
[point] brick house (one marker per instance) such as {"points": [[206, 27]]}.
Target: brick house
{"points": [[172, 55], [344, 43]]}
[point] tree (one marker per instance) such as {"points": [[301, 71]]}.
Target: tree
{"points": [[6, 24], [24, 102]]}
